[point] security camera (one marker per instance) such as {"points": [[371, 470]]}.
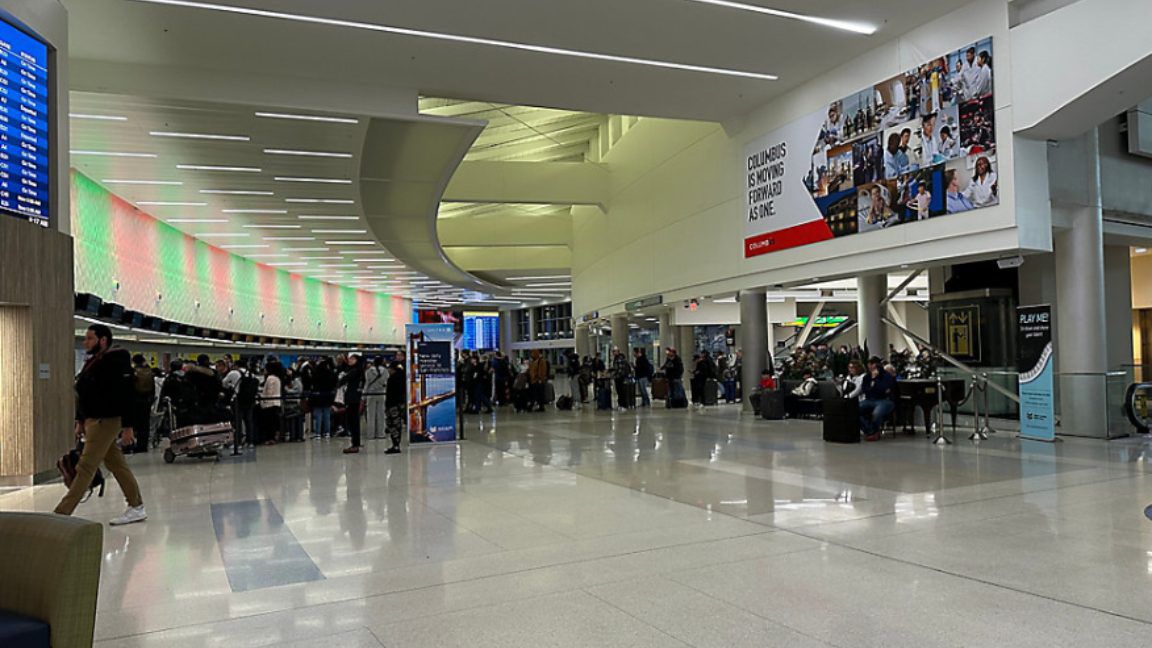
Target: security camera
{"points": [[1010, 262]]}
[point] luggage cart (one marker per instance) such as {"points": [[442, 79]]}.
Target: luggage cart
{"points": [[199, 441]]}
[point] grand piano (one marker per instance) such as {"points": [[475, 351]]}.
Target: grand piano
{"points": [[922, 394]]}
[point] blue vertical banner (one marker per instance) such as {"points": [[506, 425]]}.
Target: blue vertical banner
{"points": [[431, 383], [1034, 361]]}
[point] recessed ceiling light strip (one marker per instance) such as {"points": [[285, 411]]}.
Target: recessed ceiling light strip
{"points": [[457, 38], [237, 192], [211, 167], [321, 201], [320, 154], [340, 181], [317, 118], [844, 25], [330, 218], [123, 154], [164, 183], [119, 118], [203, 136]]}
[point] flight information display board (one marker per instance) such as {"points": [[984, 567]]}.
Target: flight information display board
{"points": [[481, 332], [25, 189]]}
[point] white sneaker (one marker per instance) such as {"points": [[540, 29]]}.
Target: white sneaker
{"points": [[131, 514]]}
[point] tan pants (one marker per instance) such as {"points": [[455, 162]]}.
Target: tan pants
{"points": [[100, 446]]}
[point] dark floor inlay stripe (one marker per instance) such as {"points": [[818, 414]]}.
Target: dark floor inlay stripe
{"points": [[258, 549]]}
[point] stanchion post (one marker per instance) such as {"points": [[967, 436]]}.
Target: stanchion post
{"points": [[987, 429], [941, 435]]}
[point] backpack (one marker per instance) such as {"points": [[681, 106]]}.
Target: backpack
{"points": [[143, 381], [67, 467], [246, 390]]}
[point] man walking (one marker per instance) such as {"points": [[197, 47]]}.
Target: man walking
{"points": [[104, 394]]}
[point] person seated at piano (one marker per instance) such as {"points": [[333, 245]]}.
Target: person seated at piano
{"points": [[891, 371], [876, 403]]}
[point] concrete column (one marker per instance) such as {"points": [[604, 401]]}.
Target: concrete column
{"points": [[685, 343], [507, 330], [583, 343], [1118, 305], [870, 291], [667, 334], [1079, 251], [620, 332], [531, 324], [753, 339]]}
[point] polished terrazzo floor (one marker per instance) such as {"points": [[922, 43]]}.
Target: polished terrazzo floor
{"points": [[652, 528]]}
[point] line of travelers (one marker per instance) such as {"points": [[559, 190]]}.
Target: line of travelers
{"points": [[270, 403]]}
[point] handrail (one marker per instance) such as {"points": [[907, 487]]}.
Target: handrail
{"points": [[904, 284], [953, 361]]}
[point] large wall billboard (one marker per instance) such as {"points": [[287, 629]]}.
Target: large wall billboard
{"points": [[919, 145]]}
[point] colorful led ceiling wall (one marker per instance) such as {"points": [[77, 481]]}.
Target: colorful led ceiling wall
{"points": [[126, 256]]}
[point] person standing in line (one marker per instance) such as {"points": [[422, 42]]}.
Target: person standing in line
{"points": [[246, 389], [397, 404], [271, 402], [621, 377], [144, 386], [503, 371], [573, 369], [538, 378], [104, 393], [674, 372], [644, 373], [353, 382], [321, 397], [375, 379]]}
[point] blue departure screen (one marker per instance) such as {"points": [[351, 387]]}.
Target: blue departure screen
{"points": [[481, 333], [24, 154]]}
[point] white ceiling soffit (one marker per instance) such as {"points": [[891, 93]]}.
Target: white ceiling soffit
{"points": [[135, 33], [404, 169]]}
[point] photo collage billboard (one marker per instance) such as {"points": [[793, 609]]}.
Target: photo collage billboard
{"points": [[916, 146]]}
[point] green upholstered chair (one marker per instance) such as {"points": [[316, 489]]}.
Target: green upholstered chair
{"points": [[49, 573]]}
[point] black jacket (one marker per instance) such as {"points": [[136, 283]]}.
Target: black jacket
{"points": [[643, 367], [104, 387], [674, 368], [395, 392], [323, 392], [353, 381]]}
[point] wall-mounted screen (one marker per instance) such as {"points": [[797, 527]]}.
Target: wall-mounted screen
{"points": [[919, 145], [481, 331], [25, 190]]}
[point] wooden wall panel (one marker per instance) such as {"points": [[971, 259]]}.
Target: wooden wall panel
{"points": [[36, 279]]}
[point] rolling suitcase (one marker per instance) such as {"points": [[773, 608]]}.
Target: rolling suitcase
{"points": [[522, 400], [603, 395], [772, 405], [628, 395], [549, 393], [842, 420], [711, 392], [660, 388]]}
